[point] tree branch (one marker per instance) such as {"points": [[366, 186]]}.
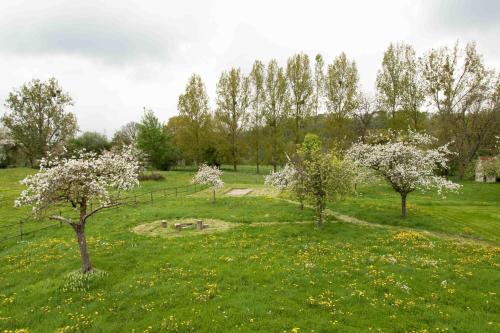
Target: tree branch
{"points": [[61, 219], [101, 208]]}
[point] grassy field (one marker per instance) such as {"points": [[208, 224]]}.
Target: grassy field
{"points": [[274, 272]]}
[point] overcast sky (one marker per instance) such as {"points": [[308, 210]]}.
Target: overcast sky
{"points": [[115, 57]]}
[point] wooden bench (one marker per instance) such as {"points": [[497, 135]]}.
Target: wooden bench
{"points": [[199, 225]]}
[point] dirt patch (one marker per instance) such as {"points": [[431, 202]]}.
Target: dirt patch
{"points": [[238, 192], [167, 228]]}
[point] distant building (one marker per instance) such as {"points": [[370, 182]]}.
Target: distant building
{"points": [[484, 167]]}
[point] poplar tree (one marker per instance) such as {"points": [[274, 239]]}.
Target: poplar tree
{"points": [[275, 107], [341, 86], [257, 114], [194, 109], [232, 103], [298, 72]]}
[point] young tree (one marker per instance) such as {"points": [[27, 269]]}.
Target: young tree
{"points": [[298, 72], [317, 176], [89, 141], [461, 91], [406, 163], [232, 103], [37, 120], [257, 114], [326, 175], [193, 106], [341, 86], [79, 182], [153, 140], [209, 175], [275, 102]]}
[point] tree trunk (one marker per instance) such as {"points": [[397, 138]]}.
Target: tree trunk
{"points": [[80, 234], [213, 192], [403, 205], [257, 158], [461, 170], [319, 216]]}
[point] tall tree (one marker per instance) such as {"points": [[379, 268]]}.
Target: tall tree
{"points": [[37, 119], [461, 89], [412, 90], [257, 114], [363, 116], [399, 87], [275, 107], [232, 103], [341, 86], [319, 81], [153, 140], [389, 80], [193, 106], [126, 135], [298, 72]]}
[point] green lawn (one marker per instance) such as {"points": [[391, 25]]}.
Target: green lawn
{"points": [[473, 212], [266, 277]]}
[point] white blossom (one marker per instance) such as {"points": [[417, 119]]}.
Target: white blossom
{"points": [[77, 180], [406, 163], [281, 179], [208, 175]]}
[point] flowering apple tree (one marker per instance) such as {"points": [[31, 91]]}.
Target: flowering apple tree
{"points": [[209, 175], [315, 176], [88, 184], [406, 162]]}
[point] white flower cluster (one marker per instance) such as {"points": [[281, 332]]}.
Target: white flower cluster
{"points": [[405, 164], [79, 180], [281, 179], [208, 175]]}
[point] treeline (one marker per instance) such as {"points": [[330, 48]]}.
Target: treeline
{"points": [[261, 116]]}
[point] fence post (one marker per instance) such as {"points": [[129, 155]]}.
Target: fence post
{"points": [[21, 228], [151, 196]]}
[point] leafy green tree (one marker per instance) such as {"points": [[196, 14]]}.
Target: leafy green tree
{"points": [[194, 108], [233, 99], [298, 72], [90, 141], [325, 176], [275, 108], [153, 140], [37, 119], [257, 96], [462, 93]]}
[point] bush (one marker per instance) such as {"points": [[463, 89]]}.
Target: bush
{"points": [[151, 176]]}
